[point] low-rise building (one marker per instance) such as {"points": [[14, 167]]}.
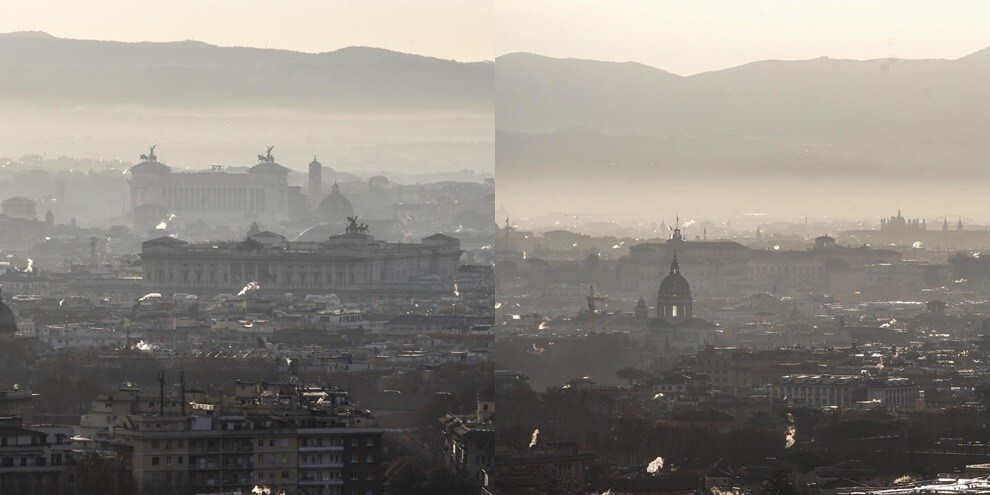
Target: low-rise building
{"points": [[32, 460], [845, 391], [469, 442], [300, 440]]}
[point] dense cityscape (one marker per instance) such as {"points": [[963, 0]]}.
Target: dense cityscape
{"points": [[166, 356], [728, 360], [309, 248]]}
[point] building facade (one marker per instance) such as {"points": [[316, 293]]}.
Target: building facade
{"points": [[469, 442], [157, 192], [20, 207], [354, 266], [845, 391], [286, 437], [33, 460]]}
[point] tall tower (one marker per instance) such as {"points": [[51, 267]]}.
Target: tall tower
{"points": [[315, 181]]}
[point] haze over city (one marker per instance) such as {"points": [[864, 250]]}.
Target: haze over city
{"points": [[308, 248], [804, 108], [230, 224]]}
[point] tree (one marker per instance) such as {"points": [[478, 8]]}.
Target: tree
{"points": [[97, 475], [415, 476], [635, 376], [778, 484]]}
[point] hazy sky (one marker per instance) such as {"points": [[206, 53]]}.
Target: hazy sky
{"points": [[450, 29], [687, 37], [684, 36]]}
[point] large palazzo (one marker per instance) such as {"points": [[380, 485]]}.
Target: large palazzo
{"points": [[261, 194], [353, 265]]}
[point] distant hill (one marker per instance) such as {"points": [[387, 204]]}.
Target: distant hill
{"points": [[357, 108], [41, 68], [809, 137], [821, 136], [818, 101]]}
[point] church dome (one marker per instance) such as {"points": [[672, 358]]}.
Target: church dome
{"points": [[8, 324], [335, 206], [674, 285]]}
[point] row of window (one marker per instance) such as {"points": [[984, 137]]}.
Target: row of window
{"points": [[283, 442], [25, 461], [318, 459]]}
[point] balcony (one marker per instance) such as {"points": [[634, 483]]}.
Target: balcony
{"points": [[322, 465], [319, 482], [32, 469], [322, 448]]}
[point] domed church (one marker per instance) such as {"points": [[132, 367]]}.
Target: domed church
{"points": [[675, 330], [335, 207]]}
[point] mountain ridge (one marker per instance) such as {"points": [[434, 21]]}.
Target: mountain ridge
{"points": [[512, 55], [46, 69], [830, 99]]}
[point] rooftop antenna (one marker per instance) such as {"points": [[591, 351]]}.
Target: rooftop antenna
{"points": [[161, 393]]}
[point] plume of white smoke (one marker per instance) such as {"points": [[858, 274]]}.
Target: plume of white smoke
{"points": [[655, 465], [30, 267], [165, 221], [534, 438], [144, 346], [248, 288], [790, 432], [907, 478]]}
